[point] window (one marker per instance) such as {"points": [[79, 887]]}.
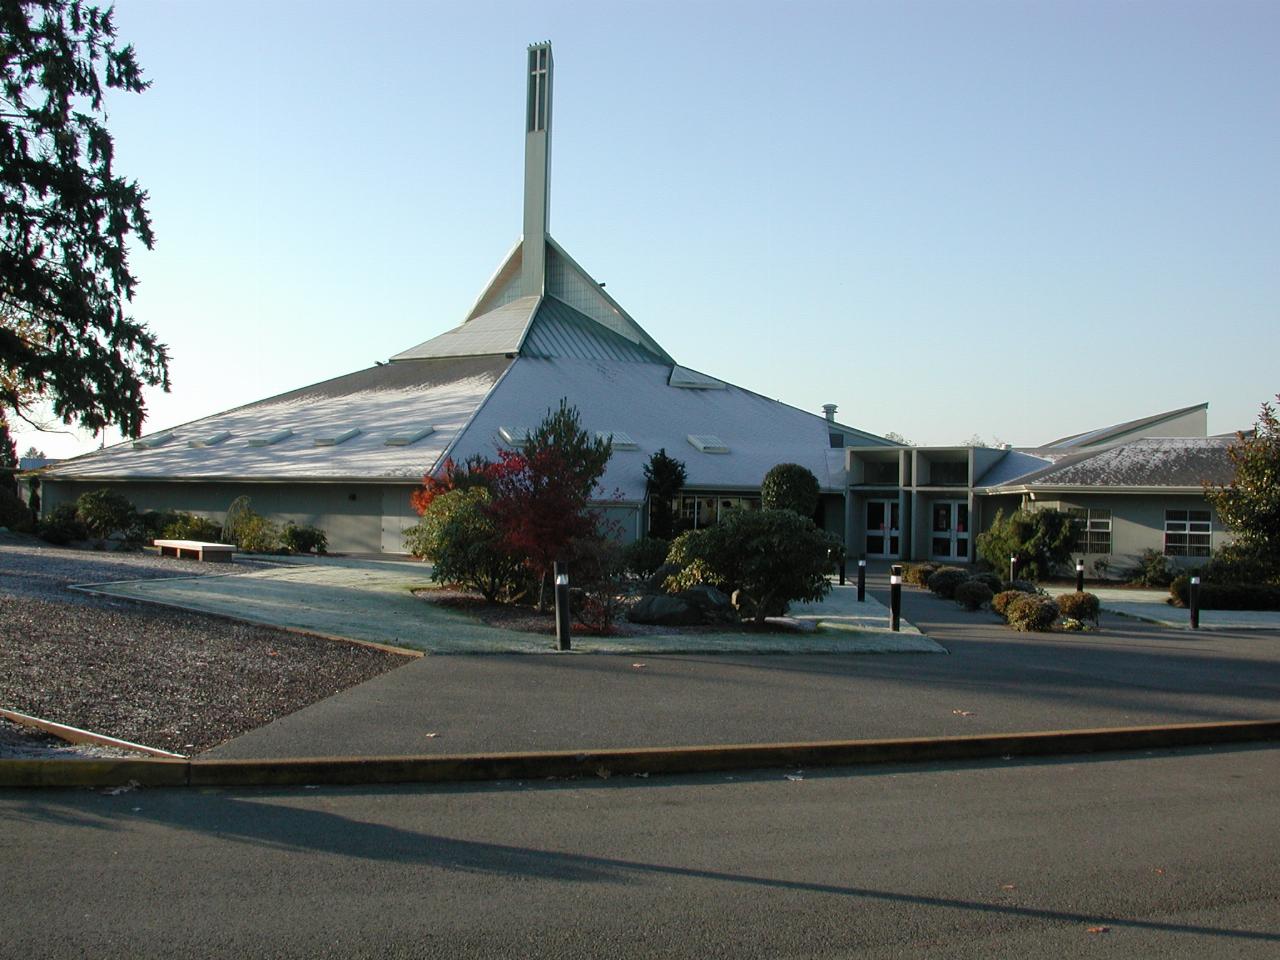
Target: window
{"points": [[1186, 533], [694, 511], [948, 473], [1092, 528]]}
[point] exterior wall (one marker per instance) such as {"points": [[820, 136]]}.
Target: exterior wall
{"points": [[1137, 524], [351, 514]]}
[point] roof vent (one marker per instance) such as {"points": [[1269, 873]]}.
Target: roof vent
{"points": [[829, 411], [708, 443], [621, 440], [271, 438], [408, 439], [337, 438], [516, 436], [148, 443], [212, 440]]}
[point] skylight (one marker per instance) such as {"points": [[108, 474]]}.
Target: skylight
{"points": [[621, 439], [693, 380], [148, 443], [516, 436], [271, 439], [212, 440], [708, 443], [409, 437], [337, 438]]}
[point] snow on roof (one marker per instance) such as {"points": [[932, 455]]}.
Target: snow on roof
{"points": [[616, 396], [386, 404], [1152, 462]]}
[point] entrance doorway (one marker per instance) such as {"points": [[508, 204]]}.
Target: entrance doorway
{"points": [[883, 529], [949, 537]]}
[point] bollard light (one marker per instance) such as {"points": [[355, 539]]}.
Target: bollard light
{"points": [[1079, 576], [862, 581], [1013, 567], [562, 605], [1195, 603], [895, 597]]}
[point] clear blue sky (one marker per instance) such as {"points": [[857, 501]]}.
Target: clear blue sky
{"points": [[1018, 220]]}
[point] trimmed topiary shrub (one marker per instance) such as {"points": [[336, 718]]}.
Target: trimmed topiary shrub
{"points": [[990, 580], [1079, 606], [1031, 612], [304, 539], [789, 486], [972, 595], [644, 556], [919, 573], [1022, 586], [1227, 596], [944, 581], [1000, 602]]}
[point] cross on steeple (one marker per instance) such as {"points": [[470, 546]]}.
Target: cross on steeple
{"points": [[537, 170]]}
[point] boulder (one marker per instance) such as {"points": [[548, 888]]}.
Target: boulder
{"points": [[659, 577], [664, 611], [713, 605]]}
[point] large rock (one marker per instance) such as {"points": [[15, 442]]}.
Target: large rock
{"points": [[664, 611], [659, 577], [714, 605]]}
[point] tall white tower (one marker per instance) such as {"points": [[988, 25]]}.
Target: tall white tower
{"points": [[537, 171]]}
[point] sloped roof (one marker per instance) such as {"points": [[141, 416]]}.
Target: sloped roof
{"points": [[558, 330], [1118, 431], [1014, 464], [1164, 462], [499, 331], [635, 398], [387, 404]]}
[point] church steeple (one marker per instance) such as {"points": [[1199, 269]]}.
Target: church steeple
{"points": [[537, 171]]}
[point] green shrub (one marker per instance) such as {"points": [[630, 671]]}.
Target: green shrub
{"points": [[644, 556], [304, 539], [1227, 596], [465, 546], [1241, 563], [990, 580], [1021, 586], [919, 573], [61, 525], [190, 526], [1040, 539], [1000, 602], [772, 556], [944, 581], [973, 594], [1153, 570], [14, 514], [1079, 606], [789, 486], [238, 514], [1031, 612], [104, 512], [257, 534]]}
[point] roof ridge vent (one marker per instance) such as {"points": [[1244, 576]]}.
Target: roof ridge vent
{"points": [[149, 443]]}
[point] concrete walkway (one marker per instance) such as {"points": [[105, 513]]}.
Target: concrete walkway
{"points": [[372, 600], [1153, 606]]}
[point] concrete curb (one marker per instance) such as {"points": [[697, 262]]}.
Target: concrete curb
{"points": [[76, 735], [297, 771]]}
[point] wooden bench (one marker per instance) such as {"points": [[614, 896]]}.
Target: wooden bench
{"points": [[196, 550]]}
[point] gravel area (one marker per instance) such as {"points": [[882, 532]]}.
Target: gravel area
{"points": [[179, 681], [22, 743]]}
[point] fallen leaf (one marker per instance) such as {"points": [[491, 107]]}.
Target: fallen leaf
{"points": [[272, 653], [641, 775], [638, 666], [1159, 871], [1007, 886], [124, 788], [963, 713], [1098, 930], [430, 735]]}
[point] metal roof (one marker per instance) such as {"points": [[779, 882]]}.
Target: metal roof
{"points": [[558, 330], [1093, 438], [1156, 463], [499, 331]]}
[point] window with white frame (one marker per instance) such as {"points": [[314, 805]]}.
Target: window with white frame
{"points": [[1187, 533], [1092, 527]]}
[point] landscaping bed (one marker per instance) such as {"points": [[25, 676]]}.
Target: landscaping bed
{"points": [[178, 681]]}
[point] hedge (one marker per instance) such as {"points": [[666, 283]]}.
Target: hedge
{"points": [[1227, 596]]}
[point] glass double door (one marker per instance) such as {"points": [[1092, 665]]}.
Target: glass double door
{"points": [[949, 534], [883, 529]]}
